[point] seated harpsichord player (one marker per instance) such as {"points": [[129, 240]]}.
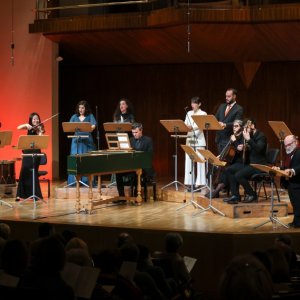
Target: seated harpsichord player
{"points": [[138, 142]]}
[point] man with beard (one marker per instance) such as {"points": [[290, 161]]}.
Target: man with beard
{"points": [[226, 114], [255, 147], [292, 170]]}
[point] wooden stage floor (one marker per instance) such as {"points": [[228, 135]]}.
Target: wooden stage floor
{"points": [[210, 238], [154, 215]]}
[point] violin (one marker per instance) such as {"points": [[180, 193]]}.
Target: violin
{"points": [[39, 129]]}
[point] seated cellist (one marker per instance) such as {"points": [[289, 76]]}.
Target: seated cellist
{"points": [[232, 153]]}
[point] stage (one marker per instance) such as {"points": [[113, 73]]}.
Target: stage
{"points": [[211, 238]]}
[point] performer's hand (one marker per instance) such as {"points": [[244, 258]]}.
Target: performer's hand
{"points": [[240, 147], [275, 168], [223, 125], [233, 138], [288, 172], [246, 134], [29, 127]]}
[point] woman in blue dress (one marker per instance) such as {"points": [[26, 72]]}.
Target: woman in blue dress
{"points": [[82, 145]]}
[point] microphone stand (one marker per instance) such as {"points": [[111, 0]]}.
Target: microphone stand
{"points": [[98, 136]]}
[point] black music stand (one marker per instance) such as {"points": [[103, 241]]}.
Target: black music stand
{"points": [[206, 122], [281, 130], [212, 159], [5, 140], [33, 142], [194, 158], [77, 127], [273, 173], [176, 126]]}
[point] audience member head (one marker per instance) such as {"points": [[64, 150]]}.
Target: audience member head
{"points": [[5, 231], [123, 238], [108, 261], [280, 270], [173, 241], [45, 229], [79, 257], [245, 279], [68, 234], [15, 257], [77, 243], [129, 252], [47, 255]]}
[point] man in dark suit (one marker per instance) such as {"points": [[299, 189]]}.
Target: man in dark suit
{"points": [[292, 170], [255, 153], [226, 114], [138, 142]]}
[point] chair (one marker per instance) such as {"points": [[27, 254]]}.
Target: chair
{"points": [[41, 173], [261, 179], [145, 182]]}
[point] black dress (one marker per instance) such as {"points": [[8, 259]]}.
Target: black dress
{"points": [[25, 186]]}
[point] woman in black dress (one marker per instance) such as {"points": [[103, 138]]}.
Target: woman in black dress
{"points": [[124, 112], [25, 185]]}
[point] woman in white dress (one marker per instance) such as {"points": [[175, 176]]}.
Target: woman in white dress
{"points": [[196, 140]]}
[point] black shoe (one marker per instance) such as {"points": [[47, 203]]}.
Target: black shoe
{"points": [[293, 225], [189, 189], [214, 194], [17, 199], [250, 199], [233, 199]]}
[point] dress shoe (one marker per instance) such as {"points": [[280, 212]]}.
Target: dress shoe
{"points": [[293, 225], [250, 199], [214, 194], [232, 200], [189, 189], [18, 199]]}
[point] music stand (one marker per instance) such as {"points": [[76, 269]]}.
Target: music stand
{"points": [[176, 126], [5, 140], [77, 127], [117, 127], [272, 173], [33, 142], [281, 130], [212, 159], [207, 122], [194, 158]]}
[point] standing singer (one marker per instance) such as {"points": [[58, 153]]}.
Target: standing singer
{"points": [[226, 114], [82, 145], [196, 140]]}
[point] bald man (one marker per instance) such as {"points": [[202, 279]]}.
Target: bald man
{"points": [[292, 170]]}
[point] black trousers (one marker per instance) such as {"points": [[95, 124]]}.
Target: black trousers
{"points": [[294, 194], [240, 174]]}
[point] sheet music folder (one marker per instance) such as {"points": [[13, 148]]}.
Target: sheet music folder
{"points": [[26, 142], [268, 169], [77, 127], [5, 138], [280, 129], [117, 127], [207, 122]]}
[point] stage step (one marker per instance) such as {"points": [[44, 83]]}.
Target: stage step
{"points": [[241, 210]]}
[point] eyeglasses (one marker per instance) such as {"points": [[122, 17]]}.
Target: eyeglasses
{"points": [[289, 144], [236, 125]]}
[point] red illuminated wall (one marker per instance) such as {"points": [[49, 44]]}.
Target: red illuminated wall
{"points": [[25, 86]]}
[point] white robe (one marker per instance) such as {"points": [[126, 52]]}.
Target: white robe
{"points": [[196, 140]]}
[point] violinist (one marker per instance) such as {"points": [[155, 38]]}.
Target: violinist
{"points": [[255, 147], [232, 154], [33, 127]]}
